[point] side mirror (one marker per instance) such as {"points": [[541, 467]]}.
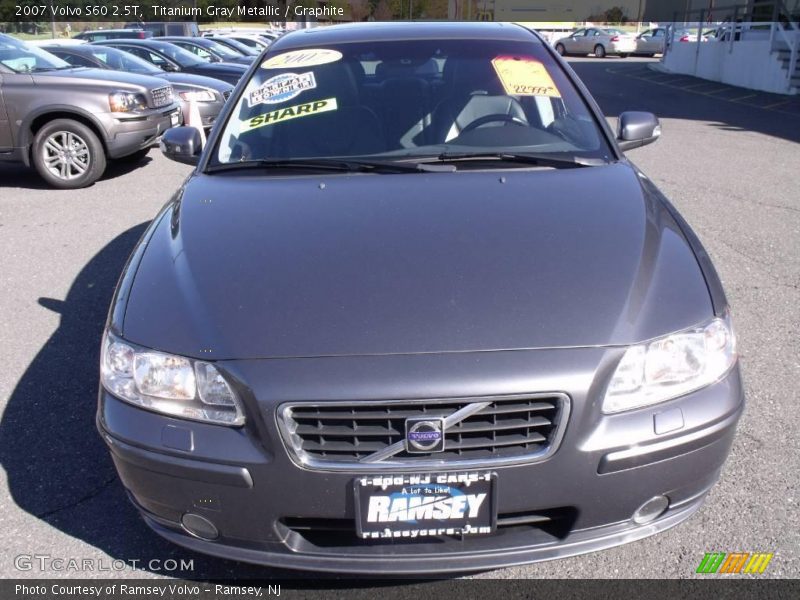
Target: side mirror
{"points": [[636, 129], [182, 144]]}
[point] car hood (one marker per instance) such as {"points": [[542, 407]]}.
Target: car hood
{"points": [[223, 67], [249, 266], [119, 80], [190, 79]]}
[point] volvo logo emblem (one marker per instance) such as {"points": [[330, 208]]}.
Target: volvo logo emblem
{"points": [[424, 434]]}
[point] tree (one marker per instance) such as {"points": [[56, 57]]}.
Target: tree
{"points": [[359, 9], [383, 11], [615, 14]]}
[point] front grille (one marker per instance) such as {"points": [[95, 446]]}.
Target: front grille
{"points": [[162, 96], [345, 436]]}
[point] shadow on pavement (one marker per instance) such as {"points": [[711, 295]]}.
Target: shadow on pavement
{"points": [[58, 469], [633, 86], [17, 175]]}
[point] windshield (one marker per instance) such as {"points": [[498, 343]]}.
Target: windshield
{"points": [[246, 50], [183, 57], [222, 50], [122, 61], [22, 58], [410, 99]]}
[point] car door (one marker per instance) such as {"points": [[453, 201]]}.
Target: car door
{"points": [[658, 41], [6, 142], [573, 42], [594, 37]]}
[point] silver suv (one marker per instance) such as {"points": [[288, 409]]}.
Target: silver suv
{"points": [[66, 122]]}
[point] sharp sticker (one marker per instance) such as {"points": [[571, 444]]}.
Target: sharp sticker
{"points": [[291, 112]]}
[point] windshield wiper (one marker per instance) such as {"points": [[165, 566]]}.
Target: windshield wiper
{"points": [[542, 160], [331, 164]]}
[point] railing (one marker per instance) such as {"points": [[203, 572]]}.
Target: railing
{"points": [[790, 35], [742, 19]]}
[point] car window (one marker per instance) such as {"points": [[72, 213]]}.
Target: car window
{"points": [[198, 51], [400, 98], [147, 55], [183, 57], [123, 61], [222, 50], [73, 59], [658, 33], [22, 58], [579, 33]]}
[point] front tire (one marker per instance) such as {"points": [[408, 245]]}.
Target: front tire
{"points": [[561, 50], [68, 155], [599, 51]]}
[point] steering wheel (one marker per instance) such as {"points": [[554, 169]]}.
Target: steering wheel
{"points": [[496, 118]]}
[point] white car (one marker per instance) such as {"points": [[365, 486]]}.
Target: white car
{"points": [[599, 41]]}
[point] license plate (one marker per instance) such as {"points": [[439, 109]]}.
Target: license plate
{"points": [[421, 506], [173, 119]]}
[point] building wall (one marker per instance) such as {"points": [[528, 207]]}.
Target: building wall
{"points": [[746, 64]]}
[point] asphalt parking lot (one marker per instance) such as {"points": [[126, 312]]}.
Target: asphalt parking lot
{"points": [[729, 165]]}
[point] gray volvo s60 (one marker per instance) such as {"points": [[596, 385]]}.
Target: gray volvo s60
{"points": [[414, 311]]}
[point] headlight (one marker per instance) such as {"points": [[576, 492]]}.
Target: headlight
{"points": [[168, 384], [126, 102], [672, 366], [197, 96]]}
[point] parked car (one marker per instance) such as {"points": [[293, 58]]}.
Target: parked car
{"points": [[254, 41], [101, 35], [170, 57], [598, 41], [67, 122], [209, 94], [236, 45], [689, 34], [252, 37], [161, 28], [652, 41], [352, 341], [209, 50]]}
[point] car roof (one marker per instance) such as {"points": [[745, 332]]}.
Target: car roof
{"points": [[395, 31], [132, 41]]}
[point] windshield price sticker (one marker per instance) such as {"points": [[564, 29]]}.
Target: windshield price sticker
{"points": [[431, 505], [524, 77], [282, 88], [290, 112], [302, 58]]}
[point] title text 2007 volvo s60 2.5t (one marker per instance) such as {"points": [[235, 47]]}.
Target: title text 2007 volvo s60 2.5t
{"points": [[415, 312]]}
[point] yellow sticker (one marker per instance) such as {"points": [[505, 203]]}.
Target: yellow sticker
{"points": [[302, 58], [524, 77], [290, 112]]}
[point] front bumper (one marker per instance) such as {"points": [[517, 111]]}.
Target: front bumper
{"points": [[271, 511], [128, 134]]}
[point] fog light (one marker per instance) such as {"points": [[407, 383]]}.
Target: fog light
{"points": [[651, 510], [199, 526]]}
